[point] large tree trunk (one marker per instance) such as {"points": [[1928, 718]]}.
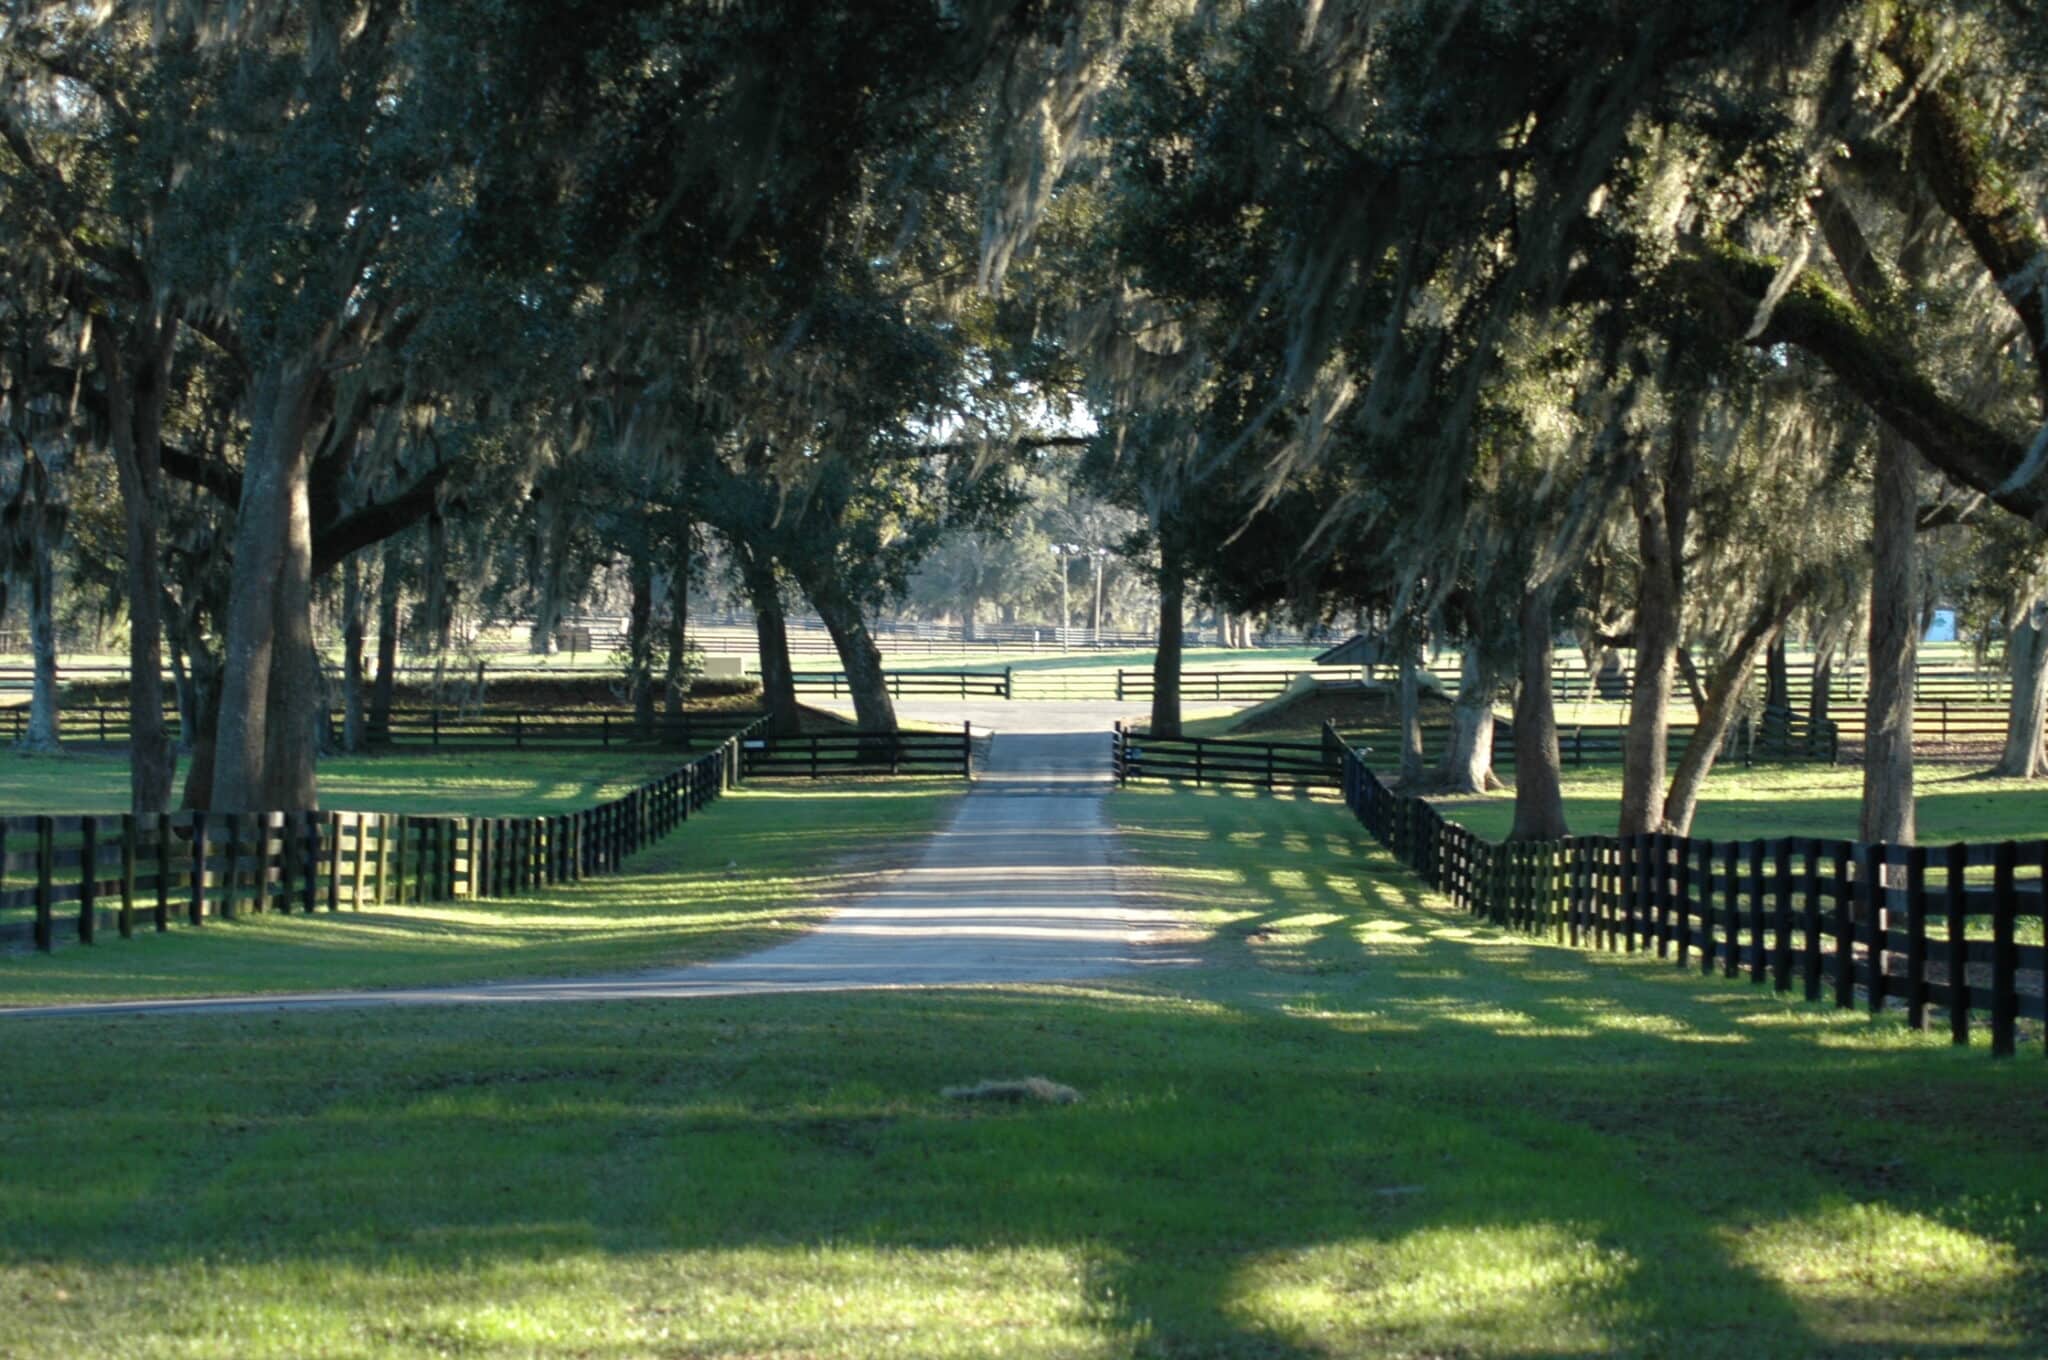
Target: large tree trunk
{"points": [[269, 629], [778, 679], [135, 402], [547, 615], [970, 605], [2026, 653], [1777, 675], [1730, 681], [1166, 661], [1823, 689], [1894, 643], [438, 616], [859, 657], [353, 737], [640, 639], [1468, 760], [1411, 718], [1539, 795], [42, 734], [675, 681], [1539, 781], [387, 642], [1663, 505]]}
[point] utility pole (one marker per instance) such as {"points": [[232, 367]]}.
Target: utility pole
{"points": [[1064, 553], [1095, 624]]}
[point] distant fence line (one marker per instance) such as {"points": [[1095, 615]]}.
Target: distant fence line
{"points": [[1904, 923], [121, 871]]}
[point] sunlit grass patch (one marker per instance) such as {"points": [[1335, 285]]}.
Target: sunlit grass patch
{"points": [[748, 871]]}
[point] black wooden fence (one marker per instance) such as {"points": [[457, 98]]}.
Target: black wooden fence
{"points": [[918, 684], [1925, 927], [821, 754], [118, 872], [1216, 760], [509, 729]]}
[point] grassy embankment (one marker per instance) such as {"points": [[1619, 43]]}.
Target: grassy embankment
{"points": [[1361, 1126]]}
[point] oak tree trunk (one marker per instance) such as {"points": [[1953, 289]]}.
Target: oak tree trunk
{"points": [[1725, 688], [778, 682], [1894, 644], [353, 738], [1166, 661], [1411, 718], [382, 692], [1468, 760], [271, 583], [859, 657], [1539, 785], [2026, 653]]}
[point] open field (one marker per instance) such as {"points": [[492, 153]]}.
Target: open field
{"points": [[484, 784], [746, 873], [1362, 1126], [1794, 800]]}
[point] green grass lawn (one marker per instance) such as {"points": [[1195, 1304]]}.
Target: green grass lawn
{"points": [[1360, 1126], [744, 873], [1954, 804], [482, 783]]}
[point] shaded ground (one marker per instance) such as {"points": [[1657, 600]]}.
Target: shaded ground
{"points": [[1365, 1127]]}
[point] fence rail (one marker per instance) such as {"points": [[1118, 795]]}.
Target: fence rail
{"points": [[1930, 928], [1213, 760], [122, 872], [819, 754], [442, 729], [939, 684]]}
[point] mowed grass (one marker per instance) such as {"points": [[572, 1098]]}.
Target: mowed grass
{"points": [[754, 868], [1953, 804], [478, 783], [1357, 1125]]}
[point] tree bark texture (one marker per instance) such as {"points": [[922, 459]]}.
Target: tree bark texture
{"points": [[1662, 505], [1725, 688], [272, 578], [2026, 653], [42, 734], [778, 682], [675, 685], [1539, 785], [1411, 717], [136, 388], [859, 657], [640, 639], [1166, 661], [1894, 646], [1468, 760], [353, 737], [383, 691]]}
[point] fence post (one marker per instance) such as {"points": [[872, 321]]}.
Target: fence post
{"points": [[127, 875], [88, 878], [1009, 682], [1845, 936], [1916, 936], [1958, 946], [1781, 925], [1758, 950], [1876, 869], [435, 718], [198, 868], [2004, 953], [163, 871], [234, 868]]}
